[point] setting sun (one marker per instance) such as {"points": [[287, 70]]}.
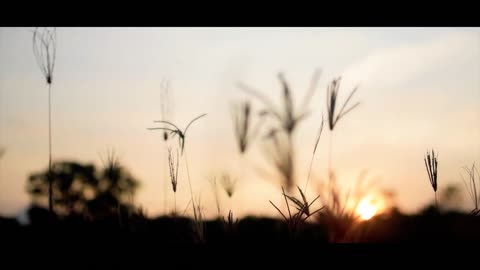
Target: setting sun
{"points": [[366, 209]]}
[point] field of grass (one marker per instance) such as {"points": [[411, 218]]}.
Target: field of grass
{"points": [[327, 217]]}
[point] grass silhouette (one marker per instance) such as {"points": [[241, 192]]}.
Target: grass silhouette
{"points": [[287, 120], [181, 140], [431, 164], [45, 50], [276, 126], [472, 187], [333, 117]]}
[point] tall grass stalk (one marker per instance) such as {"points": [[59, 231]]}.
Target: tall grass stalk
{"points": [[213, 183], [44, 50], [295, 221], [175, 131], [287, 120], [330, 146], [190, 184], [164, 176], [472, 187], [431, 164], [313, 155], [333, 117], [245, 130], [199, 225], [173, 169], [229, 184], [165, 112]]}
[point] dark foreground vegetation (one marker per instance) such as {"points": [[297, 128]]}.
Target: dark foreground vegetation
{"points": [[395, 227]]}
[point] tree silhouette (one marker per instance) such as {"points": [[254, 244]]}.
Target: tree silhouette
{"points": [[81, 189]]}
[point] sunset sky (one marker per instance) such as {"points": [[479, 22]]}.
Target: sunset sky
{"points": [[419, 89]]}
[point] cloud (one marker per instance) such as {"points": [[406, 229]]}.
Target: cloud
{"points": [[397, 66]]}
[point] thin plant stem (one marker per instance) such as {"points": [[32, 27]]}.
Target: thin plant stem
{"points": [[165, 184], [313, 156], [243, 167], [291, 157], [44, 50], [175, 203], [50, 180], [330, 146], [218, 206], [308, 177], [431, 164], [217, 201], [190, 183]]}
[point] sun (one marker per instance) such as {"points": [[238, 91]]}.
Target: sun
{"points": [[366, 209]]}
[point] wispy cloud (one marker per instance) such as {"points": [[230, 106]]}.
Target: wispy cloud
{"points": [[399, 66]]}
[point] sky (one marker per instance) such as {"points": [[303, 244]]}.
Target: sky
{"points": [[419, 89]]}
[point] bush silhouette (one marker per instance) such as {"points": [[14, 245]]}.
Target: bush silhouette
{"points": [[82, 189]]}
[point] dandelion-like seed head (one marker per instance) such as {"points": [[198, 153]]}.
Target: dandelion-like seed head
{"points": [[44, 49]]}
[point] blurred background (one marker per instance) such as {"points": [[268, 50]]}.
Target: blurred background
{"points": [[419, 89]]}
